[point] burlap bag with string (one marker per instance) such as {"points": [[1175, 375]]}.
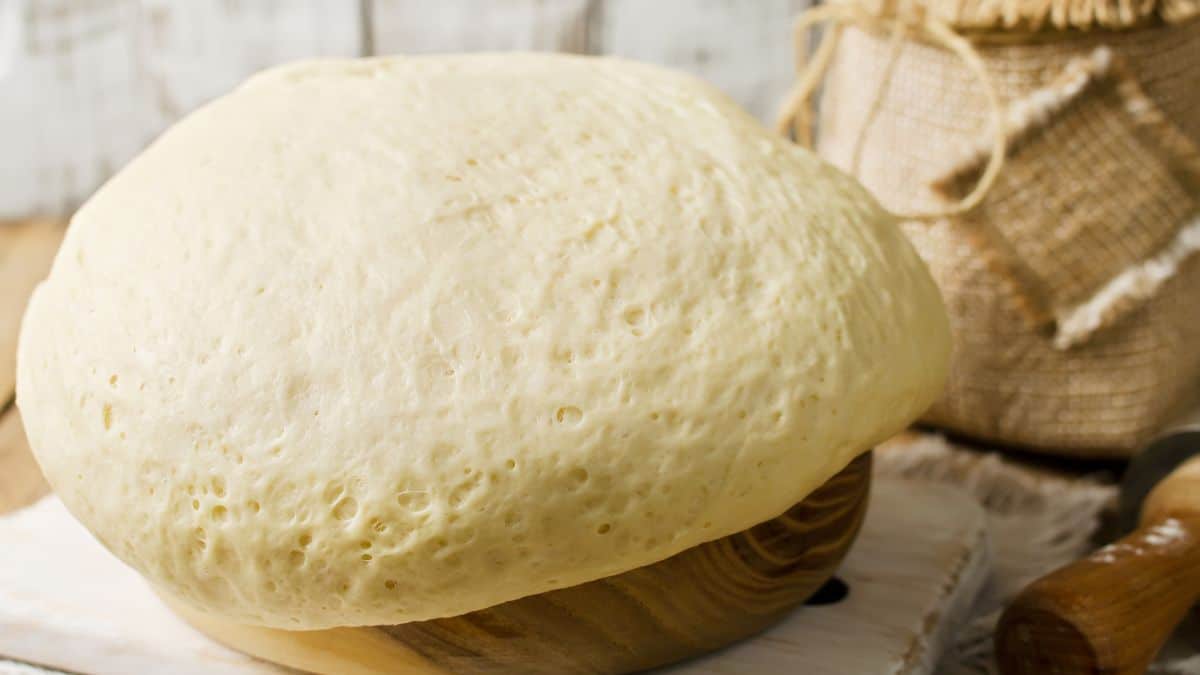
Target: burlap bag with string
{"points": [[1073, 278]]}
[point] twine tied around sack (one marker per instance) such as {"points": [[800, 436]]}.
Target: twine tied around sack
{"points": [[795, 117]]}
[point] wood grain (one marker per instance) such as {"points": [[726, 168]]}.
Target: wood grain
{"points": [[21, 481], [344, 651], [26, 251], [704, 598], [695, 602], [1112, 611]]}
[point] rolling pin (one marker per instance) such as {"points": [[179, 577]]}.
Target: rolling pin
{"points": [[1111, 612]]}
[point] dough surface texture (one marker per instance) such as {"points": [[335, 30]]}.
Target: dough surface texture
{"points": [[369, 342]]}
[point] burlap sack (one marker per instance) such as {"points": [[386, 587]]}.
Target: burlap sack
{"points": [[1074, 287]]}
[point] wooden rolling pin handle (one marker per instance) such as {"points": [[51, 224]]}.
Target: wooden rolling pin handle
{"points": [[1111, 612]]}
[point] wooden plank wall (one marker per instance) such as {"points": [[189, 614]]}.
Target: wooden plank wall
{"points": [[84, 84]]}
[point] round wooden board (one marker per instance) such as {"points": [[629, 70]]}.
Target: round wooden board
{"points": [[697, 601]]}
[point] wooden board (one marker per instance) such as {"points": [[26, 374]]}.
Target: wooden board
{"points": [[922, 557], [21, 481], [26, 250]]}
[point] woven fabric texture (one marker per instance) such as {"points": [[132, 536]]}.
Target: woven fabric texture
{"points": [[1074, 288], [1040, 15]]}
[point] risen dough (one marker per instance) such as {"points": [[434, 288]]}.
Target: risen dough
{"points": [[367, 342]]}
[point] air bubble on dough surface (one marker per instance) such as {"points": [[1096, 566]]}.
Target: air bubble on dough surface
{"points": [[368, 342]]}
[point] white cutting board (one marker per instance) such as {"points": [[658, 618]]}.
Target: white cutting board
{"points": [[922, 557]]}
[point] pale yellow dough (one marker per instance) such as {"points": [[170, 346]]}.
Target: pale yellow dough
{"points": [[368, 342]]}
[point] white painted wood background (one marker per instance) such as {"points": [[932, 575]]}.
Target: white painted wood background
{"points": [[85, 84]]}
